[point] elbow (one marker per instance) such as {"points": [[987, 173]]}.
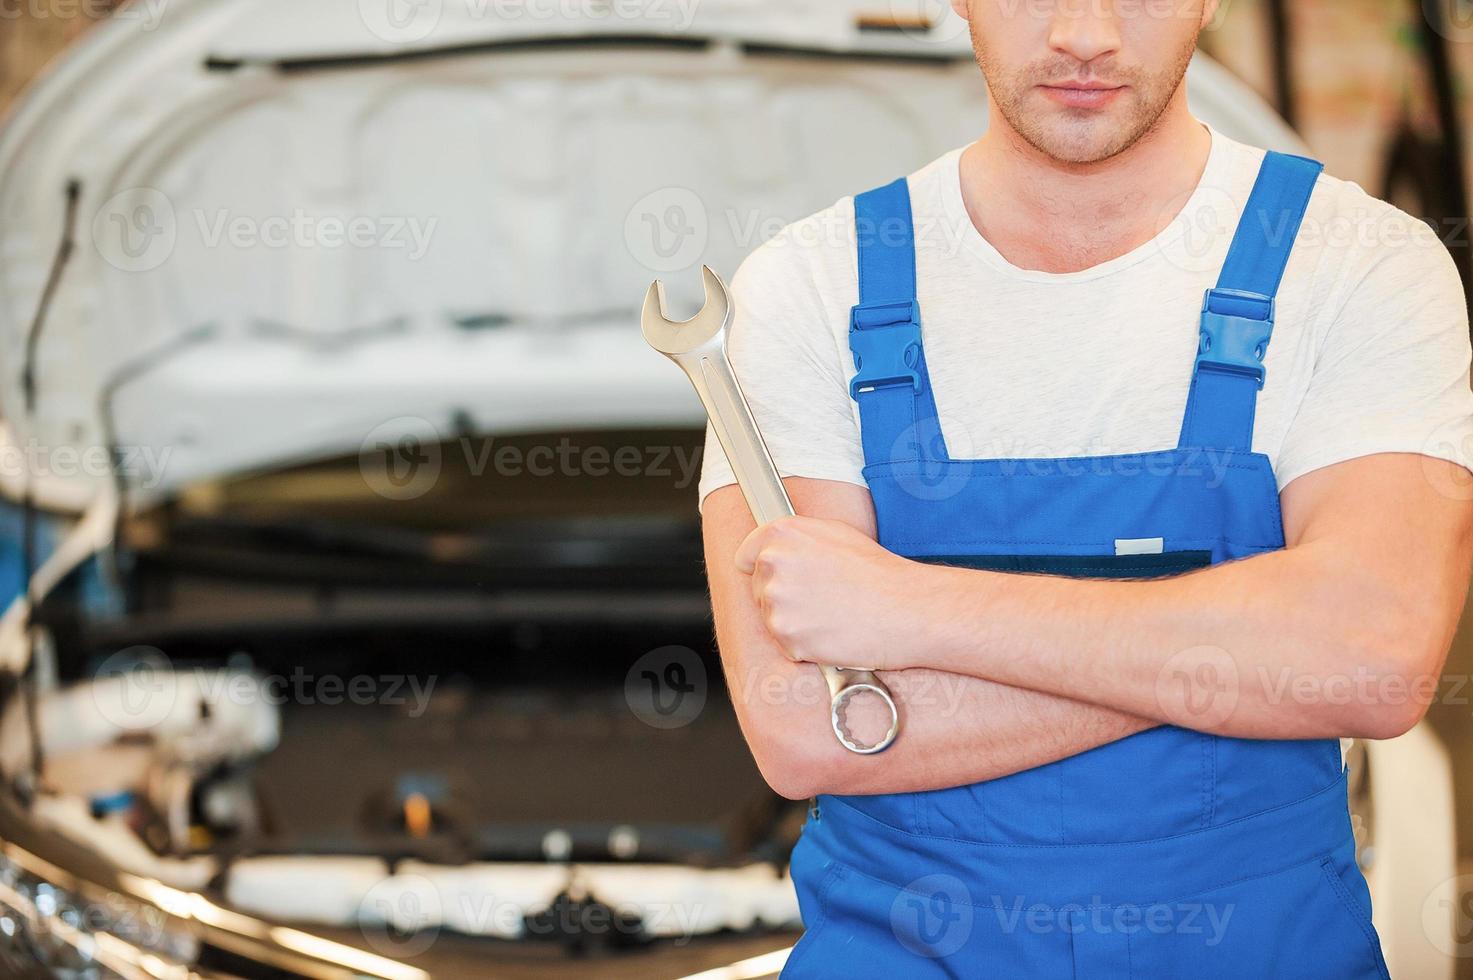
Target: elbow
{"points": [[1399, 675], [790, 764], [784, 718], [1386, 720]]}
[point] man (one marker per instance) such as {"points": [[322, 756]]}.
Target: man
{"points": [[1244, 520]]}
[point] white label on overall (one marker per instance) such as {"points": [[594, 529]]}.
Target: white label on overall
{"points": [[1139, 546]]}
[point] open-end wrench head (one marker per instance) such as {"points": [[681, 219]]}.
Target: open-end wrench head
{"points": [[674, 337]]}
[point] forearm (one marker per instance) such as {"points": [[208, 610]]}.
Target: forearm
{"points": [[955, 730], [1299, 643]]}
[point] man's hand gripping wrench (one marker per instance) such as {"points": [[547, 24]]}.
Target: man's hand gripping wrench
{"points": [[698, 345]]}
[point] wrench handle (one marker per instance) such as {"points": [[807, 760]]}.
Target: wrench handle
{"points": [[762, 487], [736, 430]]}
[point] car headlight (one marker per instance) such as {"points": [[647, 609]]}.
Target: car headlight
{"points": [[44, 926]]}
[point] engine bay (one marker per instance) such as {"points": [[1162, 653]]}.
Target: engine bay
{"points": [[493, 708]]}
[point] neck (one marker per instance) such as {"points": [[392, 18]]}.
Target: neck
{"points": [[1092, 212]]}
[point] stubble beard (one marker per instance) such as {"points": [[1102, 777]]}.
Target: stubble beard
{"points": [[1081, 136]]}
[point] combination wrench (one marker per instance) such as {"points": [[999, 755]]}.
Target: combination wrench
{"points": [[698, 346]]}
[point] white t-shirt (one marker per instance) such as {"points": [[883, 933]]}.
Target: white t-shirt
{"points": [[1370, 349]]}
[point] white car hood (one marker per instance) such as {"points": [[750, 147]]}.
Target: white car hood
{"points": [[291, 241]]}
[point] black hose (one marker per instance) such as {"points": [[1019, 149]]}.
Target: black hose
{"points": [[29, 516]]}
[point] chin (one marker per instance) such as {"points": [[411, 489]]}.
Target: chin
{"points": [[1068, 145], [1077, 142]]}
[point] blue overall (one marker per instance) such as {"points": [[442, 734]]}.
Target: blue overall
{"points": [[1168, 854]]}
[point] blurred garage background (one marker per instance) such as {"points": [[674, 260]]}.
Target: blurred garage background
{"points": [[622, 831]]}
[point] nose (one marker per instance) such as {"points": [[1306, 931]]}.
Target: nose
{"points": [[1085, 29]]}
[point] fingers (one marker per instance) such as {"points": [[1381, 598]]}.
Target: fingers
{"points": [[762, 538], [751, 547]]}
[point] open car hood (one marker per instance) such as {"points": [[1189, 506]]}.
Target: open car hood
{"points": [[299, 228]]}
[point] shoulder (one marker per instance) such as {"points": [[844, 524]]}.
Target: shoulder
{"points": [[1383, 280], [818, 251], [802, 259], [1364, 239], [1352, 246], [1341, 215]]}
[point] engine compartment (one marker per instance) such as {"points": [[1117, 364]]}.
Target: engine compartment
{"points": [[326, 705]]}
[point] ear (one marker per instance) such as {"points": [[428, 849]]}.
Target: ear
{"points": [[1209, 11], [962, 8]]}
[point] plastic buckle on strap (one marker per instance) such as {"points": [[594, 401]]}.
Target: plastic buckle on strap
{"points": [[1234, 343], [885, 339]]}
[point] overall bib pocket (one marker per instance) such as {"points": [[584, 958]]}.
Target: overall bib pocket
{"points": [[1158, 565]]}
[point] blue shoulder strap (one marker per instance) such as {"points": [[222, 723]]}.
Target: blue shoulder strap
{"points": [[897, 411], [1238, 314]]}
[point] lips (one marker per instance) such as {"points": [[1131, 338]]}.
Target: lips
{"points": [[1089, 94]]}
